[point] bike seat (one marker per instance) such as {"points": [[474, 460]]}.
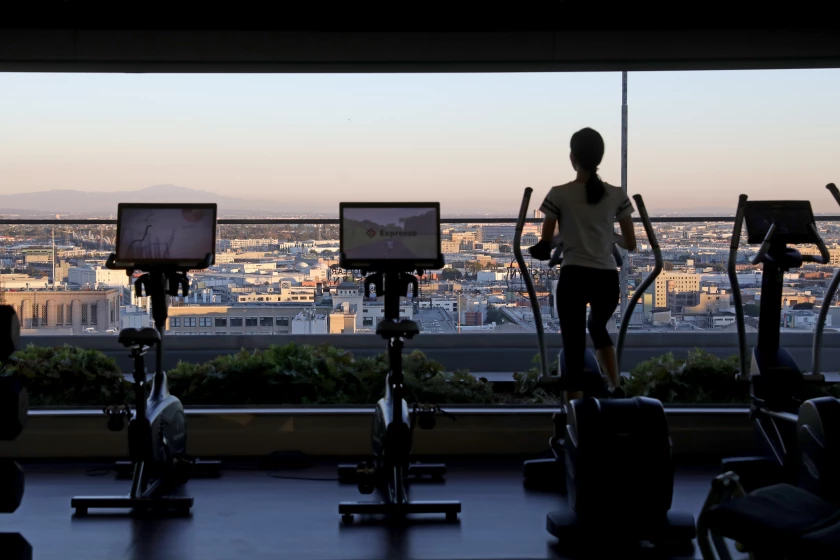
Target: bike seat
{"points": [[139, 337], [403, 328]]}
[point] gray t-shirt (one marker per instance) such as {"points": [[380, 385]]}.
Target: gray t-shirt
{"points": [[587, 230]]}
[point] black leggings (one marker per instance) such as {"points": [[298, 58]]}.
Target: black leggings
{"points": [[579, 285]]}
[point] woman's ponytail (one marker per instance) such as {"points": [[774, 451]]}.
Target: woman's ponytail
{"points": [[595, 189]]}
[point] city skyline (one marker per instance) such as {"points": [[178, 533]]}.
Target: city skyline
{"points": [[471, 141]]}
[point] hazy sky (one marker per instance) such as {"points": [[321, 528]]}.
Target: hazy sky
{"points": [[471, 141]]}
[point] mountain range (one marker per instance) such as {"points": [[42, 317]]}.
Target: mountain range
{"points": [[46, 204], [105, 203]]}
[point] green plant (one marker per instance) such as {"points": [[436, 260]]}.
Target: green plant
{"points": [[67, 375], [700, 378], [290, 374], [530, 388], [427, 381], [301, 374]]}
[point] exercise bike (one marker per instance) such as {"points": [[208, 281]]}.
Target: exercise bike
{"points": [[393, 426], [14, 409], [799, 438], [549, 473], [157, 434]]}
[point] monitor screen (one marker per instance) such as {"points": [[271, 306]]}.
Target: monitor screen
{"points": [[402, 234], [165, 233], [793, 219]]}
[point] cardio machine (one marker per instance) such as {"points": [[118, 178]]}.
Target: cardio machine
{"points": [[14, 409], [411, 232], [164, 241], [799, 438], [549, 472], [630, 432], [784, 505]]}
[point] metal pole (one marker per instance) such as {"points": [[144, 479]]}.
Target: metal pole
{"points": [[623, 274]]}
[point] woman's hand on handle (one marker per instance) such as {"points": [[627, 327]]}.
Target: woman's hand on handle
{"points": [[541, 251]]}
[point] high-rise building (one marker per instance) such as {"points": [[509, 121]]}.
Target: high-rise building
{"points": [[675, 283]]}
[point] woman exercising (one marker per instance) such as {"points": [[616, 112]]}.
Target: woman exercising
{"points": [[585, 211]]}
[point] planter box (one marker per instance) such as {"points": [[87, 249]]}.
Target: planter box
{"points": [[336, 431]]}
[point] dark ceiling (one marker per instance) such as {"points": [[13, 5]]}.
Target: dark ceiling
{"points": [[279, 37]]}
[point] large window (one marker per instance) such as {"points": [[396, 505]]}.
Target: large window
{"points": [[695, 142]]}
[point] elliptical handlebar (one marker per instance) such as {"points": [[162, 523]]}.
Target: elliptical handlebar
{"points": [[765, 245], [829, 297], [732, 271], [825, 255], [659, 264], [529, 282]]}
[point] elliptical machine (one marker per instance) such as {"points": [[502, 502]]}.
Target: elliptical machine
{"points": [[549, 473], [800, 439], [363, 225], [600, 434], [157, 430]]}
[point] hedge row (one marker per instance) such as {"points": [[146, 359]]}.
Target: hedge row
{"points": [[324, 375]]}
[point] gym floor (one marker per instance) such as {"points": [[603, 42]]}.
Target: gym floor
{"points": [[248, 514]]}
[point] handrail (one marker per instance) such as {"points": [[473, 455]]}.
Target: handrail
{"points": [[334, 221], [736, 289], [829, 297], [529, 282], [659, 264]]}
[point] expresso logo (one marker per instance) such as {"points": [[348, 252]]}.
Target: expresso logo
{"points": [[397, 233]]}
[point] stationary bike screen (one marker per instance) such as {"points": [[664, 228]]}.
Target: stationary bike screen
{"points": [[161, 234], [402, 236]]}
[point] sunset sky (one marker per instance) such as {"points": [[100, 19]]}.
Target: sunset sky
{"points": [[470, 141]]}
